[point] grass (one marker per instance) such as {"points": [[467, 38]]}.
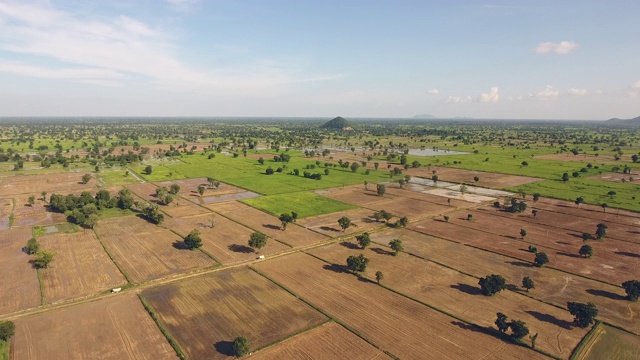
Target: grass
{"points": [[114, 212], [304, 203], [117, 177], [159, 173], [604, 341], [4, 350]]}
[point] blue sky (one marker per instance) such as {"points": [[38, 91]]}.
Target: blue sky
{"points": [[482, 59]]}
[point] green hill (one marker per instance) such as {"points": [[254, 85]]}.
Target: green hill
{"points": [[336, 123]]}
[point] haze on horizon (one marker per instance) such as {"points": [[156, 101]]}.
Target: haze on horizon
{"points": [[496, 59]]}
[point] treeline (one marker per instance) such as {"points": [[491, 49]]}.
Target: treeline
{"points": [[83, 210]]}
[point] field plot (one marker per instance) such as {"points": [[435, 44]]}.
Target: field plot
{"points": [[605, 265], [19, 278], [147, 191], [6, 207], [327, 342], [610, 343], [227, 240], [59, 183], [145, 251], [81, 267], [487, 179], [361, 220], [454, 194], [113, 328], [304, 203], [26, 215], [189, 188], [459, 294], [588, 211], [401, 326], [270, 225], [552, 286], [226, 305], [229, 197], [180, 208], [633, 177]]}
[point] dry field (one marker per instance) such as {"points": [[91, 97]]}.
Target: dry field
{"points": [[81, 267], [180, 208], [145, 251], [6, 207], [361, 220], [487, 179], [587, 211], [28, 216], [633, 177], [327, 342], [604, 266], [58, 183], [399, 325], [257, 220], [205, 314], [459, 294], [189, 189], [113, 328], [552, 286], [146, 191], [227, 240], [19, 278]]}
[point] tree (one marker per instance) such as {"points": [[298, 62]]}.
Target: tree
{"points": [[148, 170], [31, 200], [32, 246], [357, 263], [91, 220], [492, 284], [536, 197], [285, 219], [523, 233], [174, 189], [269, 171], [381, 189], [601, 231], [584, 314], [44, 258], [86, 178], [501, 322], [364, 240], [379, 276], [519, 329], [587, 236], [396, 246], [586, 251], [434, 178], [201, 189], [193, 240], [257, 240], [476, 179], [541, 259], [534, 212], [402, 222], [241, 346], [565, 177], [533, 249], [528, 283], [632, 288], [469, 217], [344, 223], [7, 329], [604, 207], [634, 158], [44, 196]]}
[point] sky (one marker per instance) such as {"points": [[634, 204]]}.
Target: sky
{"points": [[310, 58]]}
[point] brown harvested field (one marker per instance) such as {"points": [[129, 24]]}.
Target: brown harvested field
{"points": [[58, 183], [28, 216], [327, 342], [146, 191], [19, 278], [396, 324], [361, 220], [227, 240], [257, 220], [145, 251], [204, 314], [459, 294], [114, 328], [605, 265], [633, 177], [6, 207], [81, 267], [588, 211], [487, 179], [552, 286], [180, 208]]}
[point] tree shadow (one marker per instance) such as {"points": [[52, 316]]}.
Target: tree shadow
{"points": [[577, 236], [328, 228], [569, 255], [564, 242], [519, 263], [350, 245], [272, 227], [336, 268], [240, 248], [550, 319], [626, 253], [381, 251], [180, 245], [466, 288], [224, 348], [470, 327], [606, 294], [368, 220]]}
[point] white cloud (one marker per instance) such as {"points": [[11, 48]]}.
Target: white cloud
{"points": [[458, 99], [433, 92], [547, 93], [577, 92], [493, 96], [105, 77], [636, 85], [562, 48]]}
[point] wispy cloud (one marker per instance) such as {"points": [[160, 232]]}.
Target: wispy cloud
{"points": [[562, 48], [493, 96], [578, 92], [433, 92], [548, 93], [459, 99]]}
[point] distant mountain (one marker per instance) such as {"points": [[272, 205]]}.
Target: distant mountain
{"points": [[634, 121], [424, 116], [338, 123]]}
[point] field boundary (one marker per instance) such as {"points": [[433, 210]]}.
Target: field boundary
{"points": [[588, 339], [163, 329], [126, 276], [43, 297]]}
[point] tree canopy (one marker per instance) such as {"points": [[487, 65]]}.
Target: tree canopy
{"points": [[584, 314], [492, 284], [193, 240], [357, 263], [241, 346], [257, 240], [632, 288]]}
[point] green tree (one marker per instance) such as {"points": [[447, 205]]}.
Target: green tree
{"points": [[31, 200], [565, 177], [148, 170], [32, 246], [44, 258], [402, 222], [381, 189], [601, 231], [586, 251], [364, 240], [344, 223], [528, 283], [632, 288], [519, 329], [193, 240], [396, 246], [379, 276], [541, 259], [241, 346], [523, 233], [584, 314], [285, 219], [533, 249], [7, 329], [257, 240], [357, 264], [201, 189], [174, 189], [501, 322], [86, 178], [44, 196], [492, 284]]}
